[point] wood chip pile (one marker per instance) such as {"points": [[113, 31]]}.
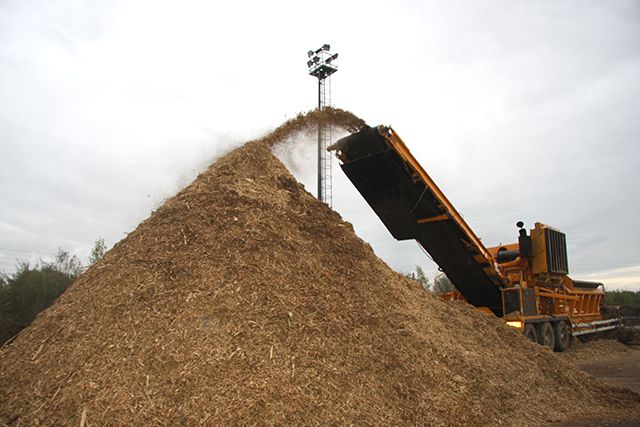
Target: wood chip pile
{"points": [[244, 300]]}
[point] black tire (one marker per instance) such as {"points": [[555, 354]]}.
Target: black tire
{"points": [[562, 336], [530, 332], [625, 334], [546, 336], [585, 338]]}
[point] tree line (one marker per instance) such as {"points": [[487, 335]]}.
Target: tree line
{"points": [[32, 289], [627, 301], [441, 282]]}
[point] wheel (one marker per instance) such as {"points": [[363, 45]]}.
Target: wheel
{"points": [[562, 336], [530, 332], [585, 338], [625, 334], [545, 335]]}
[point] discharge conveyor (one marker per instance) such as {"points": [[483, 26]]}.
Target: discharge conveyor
{"points": [[411, 206]]}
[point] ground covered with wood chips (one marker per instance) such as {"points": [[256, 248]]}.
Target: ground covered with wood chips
{"points": [[244, 300]]}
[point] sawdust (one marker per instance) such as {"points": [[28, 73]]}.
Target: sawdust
{"points": [[244, 300], [598, 349]]}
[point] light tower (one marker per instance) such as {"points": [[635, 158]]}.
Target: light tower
{"points": [[321, 66]]}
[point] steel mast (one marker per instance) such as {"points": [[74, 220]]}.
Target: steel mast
{"points": [[321, 66]]}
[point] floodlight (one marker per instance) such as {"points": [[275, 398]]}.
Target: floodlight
{"points": [[309, 63], [331, 58], [316, 59], [310, 53], [326, 47]]}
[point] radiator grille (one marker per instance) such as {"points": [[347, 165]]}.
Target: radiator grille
{"points": [[556, 252]]}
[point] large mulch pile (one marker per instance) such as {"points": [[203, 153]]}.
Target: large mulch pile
{"points": [[244, 300]]}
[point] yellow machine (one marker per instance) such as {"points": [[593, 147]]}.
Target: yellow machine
{"points": [[526, 283]]}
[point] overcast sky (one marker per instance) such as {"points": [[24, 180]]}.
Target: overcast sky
{"points": [[519, 110]]}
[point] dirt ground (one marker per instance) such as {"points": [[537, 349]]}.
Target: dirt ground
{"points": [[612, 363], [619, 369]]}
